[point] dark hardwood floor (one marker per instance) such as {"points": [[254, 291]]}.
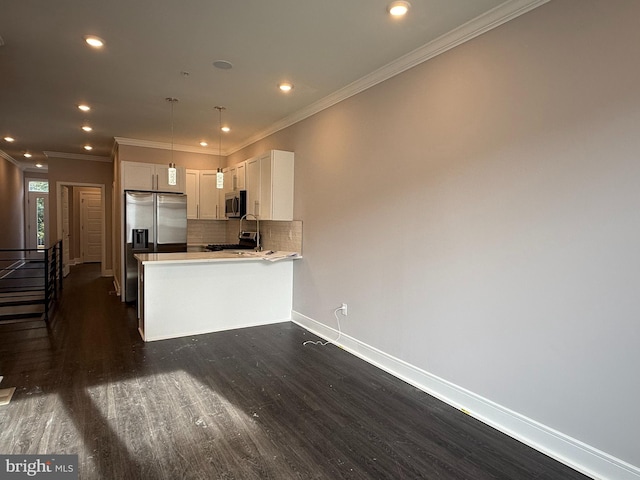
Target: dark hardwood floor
{"points": [[244, 404]]}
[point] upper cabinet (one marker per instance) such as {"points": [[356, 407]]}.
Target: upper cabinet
{"points": [[240, 176], [269, 185], [234, 177], [203, 196], [253, 185], [193, 194], [210, 206], [151, 177]]}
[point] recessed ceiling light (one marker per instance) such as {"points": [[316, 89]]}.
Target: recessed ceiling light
{"points": [[84, 108], [86, 128], [39, 165], [27, 155], [203, 144], [95, 42], [88, 147], [225, 129], [9, 139], [223, 65], [398, 9], [285, 86]]}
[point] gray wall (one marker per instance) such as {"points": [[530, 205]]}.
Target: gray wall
{"points": [[479, 214], [11, 205], [71, 171]]}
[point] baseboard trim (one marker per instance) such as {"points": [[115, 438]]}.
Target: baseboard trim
{"points": [[570, 451], [148, 338]]}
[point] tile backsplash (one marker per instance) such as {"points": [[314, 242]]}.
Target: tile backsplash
{"points": [[281, 235], [203, 232], [275, 234]]}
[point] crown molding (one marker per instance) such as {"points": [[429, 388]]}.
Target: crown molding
{"points": [[487, 21], [9, 158], [30, 169], [77, 156], [25, 167], [134, 142]]}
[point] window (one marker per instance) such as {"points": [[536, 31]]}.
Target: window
{"points": [[38, 186], [40, 221]]}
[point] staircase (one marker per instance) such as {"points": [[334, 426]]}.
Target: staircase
{"points": [[30, 283]]}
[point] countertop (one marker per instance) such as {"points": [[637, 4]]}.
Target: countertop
{"points": [[211, 257]]}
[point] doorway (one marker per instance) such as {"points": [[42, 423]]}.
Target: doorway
{"points": [[66, 228], [37, 216], [81, 224]]}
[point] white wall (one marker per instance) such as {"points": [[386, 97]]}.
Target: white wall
{"points": [[479, 214]]}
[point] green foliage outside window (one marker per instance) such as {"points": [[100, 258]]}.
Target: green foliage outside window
{"points": [[40, 221], [38, 186]]}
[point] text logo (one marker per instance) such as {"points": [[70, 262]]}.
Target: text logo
{"points": [[50, 467]]}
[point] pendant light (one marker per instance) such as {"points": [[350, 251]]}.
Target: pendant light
{"points": [[172, 174], [219, 174]]}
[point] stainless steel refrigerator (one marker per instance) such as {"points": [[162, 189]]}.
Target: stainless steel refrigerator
{"points": [[154, 223]]}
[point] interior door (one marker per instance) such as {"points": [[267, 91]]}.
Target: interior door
{"points": [[91, 226], [64, 202]]}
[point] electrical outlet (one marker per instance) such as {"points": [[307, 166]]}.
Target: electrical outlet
{"points": [[343, 309]]}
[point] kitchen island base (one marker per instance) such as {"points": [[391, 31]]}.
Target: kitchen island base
{"points": [[180, 299]]}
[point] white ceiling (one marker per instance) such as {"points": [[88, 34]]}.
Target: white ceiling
{"points": [[328, 49]]}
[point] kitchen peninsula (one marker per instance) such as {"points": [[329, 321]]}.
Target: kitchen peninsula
{"points": [[191, 293]]}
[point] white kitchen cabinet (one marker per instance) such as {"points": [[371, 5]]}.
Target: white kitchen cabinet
{"points": [[253, 185], [228, 180], [269, 185], [151, 177], [202, 195], [240, 176], [193, 193], [209, 196], [234, 177]]}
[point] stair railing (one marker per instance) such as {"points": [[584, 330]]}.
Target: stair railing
{"points": [[30, 282]]}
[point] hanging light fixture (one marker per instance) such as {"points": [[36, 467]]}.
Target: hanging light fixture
{"points": [[172, 174], [219, 174]]}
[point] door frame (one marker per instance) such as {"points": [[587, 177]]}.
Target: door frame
{"points": [[101, 186], [66, 251]]}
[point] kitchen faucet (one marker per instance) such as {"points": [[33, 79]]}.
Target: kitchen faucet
{"points": [[258, 247]]}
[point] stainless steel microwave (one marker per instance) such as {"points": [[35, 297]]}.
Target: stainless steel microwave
{"points": [[235, 204]]}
